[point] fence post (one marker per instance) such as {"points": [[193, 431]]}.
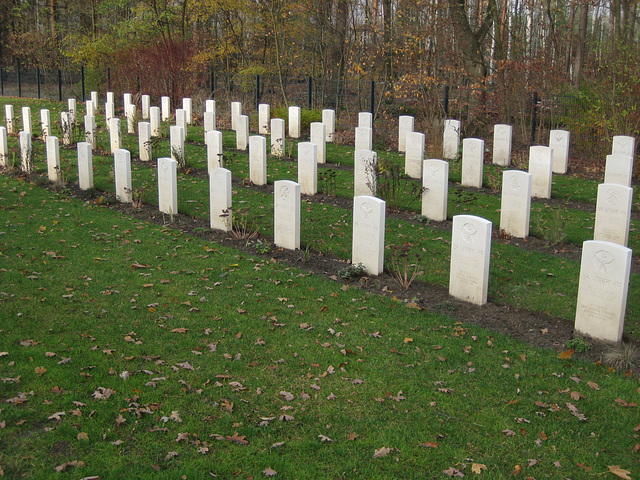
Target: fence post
{"points": [[534, 109], [109, 79], [138, 83], [19, 81], [257, 96], [445, 101], [372, 95], [82, 81], [59, 85], [38, 81], [1, 82], [310, 92], [212, 82]]}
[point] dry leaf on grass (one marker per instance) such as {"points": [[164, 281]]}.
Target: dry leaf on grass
{"points": [[619, 472], [381, 452], [478, 467], [269, 472]]}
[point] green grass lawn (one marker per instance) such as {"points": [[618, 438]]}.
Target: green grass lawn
{"points": [[132, 350]]}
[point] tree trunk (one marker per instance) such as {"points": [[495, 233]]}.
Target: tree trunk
{"points": [[582, 45], [470, 42]]}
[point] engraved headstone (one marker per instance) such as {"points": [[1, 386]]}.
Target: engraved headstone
{"points": [[258, 159], [318, 136], [365, 180], [110, 98], [71, 103], [94, 99], [181, 121], [329, 120], [167, 185], [613, 213], [144, 141], [26, 120], [405, 125], [90, 134], [145, 104], [127, 99], [220, 199], [624, 145], [264, 118], [472, 162], [114, 134], [8, 118], [277, 137], [368, 233], [53, 158], [66, 125], [109, 113], [602, 291], [154, 120], [187, 106], [365, 119], [559, 143], [122, 167], [214, 149], [364, 138], [470, 256], [619, 169], [130, 115], [451, 139], [209, 123], [210, 106], [515, 209], [414, 154], [435, 189], [89, 108], [242, 132], [308, 168], [294, 122], [26, 152], [286, 215], [165, 104], [4, 148], [85, 166], [502, 142], [45, 122], [540, 167], [236, 111], [176, 142]]}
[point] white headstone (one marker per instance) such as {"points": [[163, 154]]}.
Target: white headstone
{"points": [[286, 215], [181, 121], [90, 134], [318, 135], [470, 255], [109, 113], [53, 158], [8, 117], [94, 99], [624, 145], [127, 99], [122, 166], [110, 98], [435, 189], [613, 213], [154, 120], [167, 186], [242, 132], [414, 154], [66, 126], [144, 141], [26, 119], [365, 180], [210, 106], [405, 125], [368, 233], [602, 291], [472, 162], [114, 134], [329, 120], [559, 143], [26, 156], [130, 114], [264, 118], [73, 111], [364, 138], [257, 159], [502, 142], [85, 166], [451, 139], [540, 160], [619, 169], [515, 209], [145, 101], [4, 148], [45, 122], [236, 111], [214, 149], [220, 199], [89, 108], [308, 168], [277, 137], [165, 104], [176, 142], [209, 122], [295, 119], [187, 106], [365, 119]]}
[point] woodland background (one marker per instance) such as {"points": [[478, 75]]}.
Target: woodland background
{"points": [[490, 56]]}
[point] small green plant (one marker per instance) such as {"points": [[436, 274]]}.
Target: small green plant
{"points": [[262, 247], [327, 181], [493, 180], [552, 228], [625, 356], [402, 269], [394, 185], [243, 226], [578, 344], [180, 158], [137, 195], [352, 272], [421, 219]]}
